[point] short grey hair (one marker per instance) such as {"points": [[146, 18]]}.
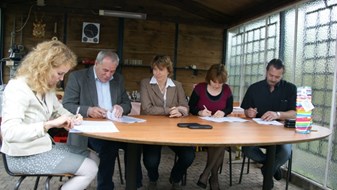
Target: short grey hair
{"points": [[107, 53]]}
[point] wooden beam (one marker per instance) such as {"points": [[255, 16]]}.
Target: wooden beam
{"points": [[199, 10]]}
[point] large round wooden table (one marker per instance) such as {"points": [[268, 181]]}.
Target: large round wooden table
{"points": [[162, 130]]}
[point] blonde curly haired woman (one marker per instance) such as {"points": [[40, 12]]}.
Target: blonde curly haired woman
{"points": [[30, 109]]}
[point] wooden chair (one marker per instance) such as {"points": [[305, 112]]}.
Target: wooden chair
{"points": [[288, 177]]}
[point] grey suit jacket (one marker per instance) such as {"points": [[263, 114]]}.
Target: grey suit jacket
{"points": [[152, 101], [81, 92]]}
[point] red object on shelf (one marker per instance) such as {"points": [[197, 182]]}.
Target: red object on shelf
{"points": [[60, 139], [87, 61]]}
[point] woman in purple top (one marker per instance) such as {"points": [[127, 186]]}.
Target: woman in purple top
{"points": [[212, 98]]}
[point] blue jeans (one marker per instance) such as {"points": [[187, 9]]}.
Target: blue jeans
{"points": [[151, 159], [107, 152], [282, 154]]}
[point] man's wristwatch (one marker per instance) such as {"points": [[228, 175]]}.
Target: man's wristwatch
{"points": [[278, 114]]}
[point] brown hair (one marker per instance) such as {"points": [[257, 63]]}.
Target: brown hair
{"points": [[216, 73], [162, 61]]}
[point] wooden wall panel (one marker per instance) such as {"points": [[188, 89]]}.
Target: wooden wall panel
{"points": [[200, 46], [197, 45], [188, 79], [133, 76], [108, 38], [18, 30], [144, 39]]}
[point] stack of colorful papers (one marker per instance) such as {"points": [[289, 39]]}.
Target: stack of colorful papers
{"points": [[303, 110]]}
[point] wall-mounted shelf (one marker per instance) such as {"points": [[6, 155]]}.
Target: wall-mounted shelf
{"points": [[128, 65], [194, 71]]}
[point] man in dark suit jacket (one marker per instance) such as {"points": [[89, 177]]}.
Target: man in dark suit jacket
{"points": [[95, 91]]}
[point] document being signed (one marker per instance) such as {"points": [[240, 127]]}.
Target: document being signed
{"points": [[224, 119], [95, 127], [124, 119], [261, 121]]}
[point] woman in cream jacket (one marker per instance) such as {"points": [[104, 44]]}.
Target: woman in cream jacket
{"points": [[30, 109]]}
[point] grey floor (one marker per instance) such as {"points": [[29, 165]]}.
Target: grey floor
{"points": [[251, 181]]}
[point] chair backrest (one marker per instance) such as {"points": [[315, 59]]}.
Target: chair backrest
{"points": [[135, 109], [236, 104], [4, 159]]}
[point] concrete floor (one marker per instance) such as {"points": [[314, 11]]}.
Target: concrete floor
{"points": [[251, 181]]}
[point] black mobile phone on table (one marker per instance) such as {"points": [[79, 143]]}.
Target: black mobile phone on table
{"points": [[290, 123], [200, 126], [186, 124]]}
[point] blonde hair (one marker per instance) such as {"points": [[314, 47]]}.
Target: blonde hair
{"points": [[162, 61], [36, 66]]}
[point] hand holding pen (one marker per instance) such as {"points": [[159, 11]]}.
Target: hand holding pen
{"points": [[251, 112], [205, 112], [77, 119]]}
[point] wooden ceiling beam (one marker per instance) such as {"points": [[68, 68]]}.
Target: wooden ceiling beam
{"points": [[200, 10]]}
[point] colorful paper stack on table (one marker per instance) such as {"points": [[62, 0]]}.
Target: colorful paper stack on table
{"points": [[303, 110]]}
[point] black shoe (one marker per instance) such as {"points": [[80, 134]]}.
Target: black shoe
{"points": [[213, 185], [278, 174], [201, 184]]}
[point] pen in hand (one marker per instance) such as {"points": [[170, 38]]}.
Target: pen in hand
{"points": [[78, 110], [77, 118], [255, 109], [251, 112], [206, 112]]}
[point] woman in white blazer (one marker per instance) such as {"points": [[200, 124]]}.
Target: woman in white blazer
{"points": [[30, 108]]}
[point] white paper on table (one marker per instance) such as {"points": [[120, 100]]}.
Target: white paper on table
{"points": [[124, 119], [224, 119], [237, 109], [95, 127], [261, 121]]}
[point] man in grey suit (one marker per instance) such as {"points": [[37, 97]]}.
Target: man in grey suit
{"points": [[95, 91]]}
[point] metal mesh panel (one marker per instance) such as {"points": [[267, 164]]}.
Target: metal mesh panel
{"points": [[316, 69], [309, 32], [250, 47]]}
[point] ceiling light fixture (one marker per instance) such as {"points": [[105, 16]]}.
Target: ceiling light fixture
{"points": [[122, 14]]}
